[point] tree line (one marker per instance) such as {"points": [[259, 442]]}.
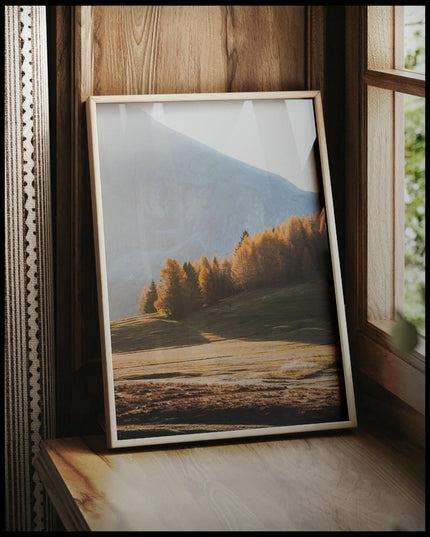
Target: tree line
{"points": [[294, 251]]}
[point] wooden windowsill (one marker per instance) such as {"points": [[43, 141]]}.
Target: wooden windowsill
{"points": [[347, 481], [404, 377], [384, 328]]}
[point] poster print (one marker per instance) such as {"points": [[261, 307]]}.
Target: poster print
{"points": [[221, 303]]}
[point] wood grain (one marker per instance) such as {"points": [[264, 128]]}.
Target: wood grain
{"points": [[380, 363], [380, 45], [59, 62], [392, 79], [380, 205], [327, 483], [316, 50], [194, 49], [355, 169]]}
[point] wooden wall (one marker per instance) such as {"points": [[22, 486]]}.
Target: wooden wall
{"points": [[106, 50]]}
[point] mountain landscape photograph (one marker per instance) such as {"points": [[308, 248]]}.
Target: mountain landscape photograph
{"points": [[222, 309]]}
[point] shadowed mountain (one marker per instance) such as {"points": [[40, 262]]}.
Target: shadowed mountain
{"points": [[172, 196]]}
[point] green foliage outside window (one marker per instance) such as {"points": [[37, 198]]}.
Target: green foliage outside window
{"points": [[414, 309], [404, 334], [415, 210]]}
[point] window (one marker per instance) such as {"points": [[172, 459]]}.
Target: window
{"points": [[386, 189], [395, 176]]}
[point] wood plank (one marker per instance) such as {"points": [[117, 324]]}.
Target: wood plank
{"points": [[397, 376], [60, 57], [184, 97], [402, 81], [384, 414], [193, 49], [356, 194], [316, 50], [345, 482], [58, 493], [380, 44], [380, 205]]}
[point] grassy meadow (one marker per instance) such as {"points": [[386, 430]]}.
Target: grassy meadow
{"points": [[262, 358]]}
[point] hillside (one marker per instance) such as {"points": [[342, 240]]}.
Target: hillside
{"points": [[301, 312]]}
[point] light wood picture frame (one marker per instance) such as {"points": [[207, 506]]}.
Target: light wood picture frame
{"points": [[220, 294]]}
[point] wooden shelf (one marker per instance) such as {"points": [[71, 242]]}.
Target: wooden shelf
{"points": [[346, 481]]}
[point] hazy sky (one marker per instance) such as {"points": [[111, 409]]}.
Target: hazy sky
{"points": [[276, 136]]}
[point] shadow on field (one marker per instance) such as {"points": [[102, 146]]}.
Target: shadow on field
{"points": [[302, 313], [152, 332]]}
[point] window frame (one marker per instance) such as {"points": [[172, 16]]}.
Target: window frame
{"points": [[372, 61]]}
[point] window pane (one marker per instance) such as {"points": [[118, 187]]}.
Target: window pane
{"points": [[414, 38], [414, 307]]}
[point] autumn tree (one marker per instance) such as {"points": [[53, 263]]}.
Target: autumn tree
{"points": [[295, 238], [296, 250], [226, 280], [171, 290], [216, 276], [322, 220], [315, 246], [321, 246], [196, 267], [204, 263], [192, 294], [270, 261], [207, 285], [244, 270], [242, 237]]}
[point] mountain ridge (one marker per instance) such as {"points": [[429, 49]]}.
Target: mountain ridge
{"points": [[167, 195]]}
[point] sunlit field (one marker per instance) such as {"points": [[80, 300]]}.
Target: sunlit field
{"points": [[257, 359]]}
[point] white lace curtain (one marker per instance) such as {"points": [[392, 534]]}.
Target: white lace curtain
{"points": [[29, 330]]}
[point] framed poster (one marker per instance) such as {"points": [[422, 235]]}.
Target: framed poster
{"points": [[221, 306]]}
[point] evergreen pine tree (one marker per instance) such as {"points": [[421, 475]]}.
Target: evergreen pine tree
{"points": [[151, 297], [242, 237], [192, 295]]}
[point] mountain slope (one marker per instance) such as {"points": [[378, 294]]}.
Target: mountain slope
{"points": [[172, 196]]}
